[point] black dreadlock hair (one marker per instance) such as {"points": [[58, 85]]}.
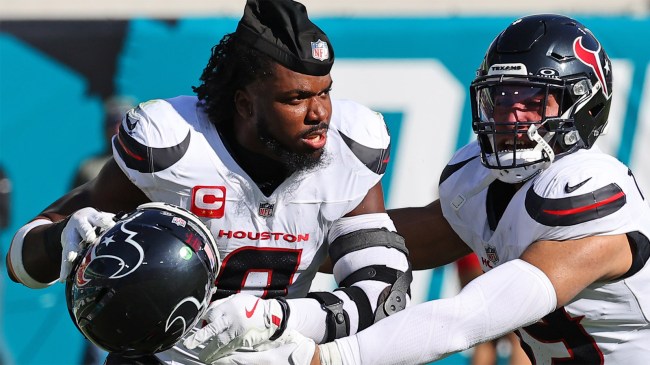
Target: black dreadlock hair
{"points": [[232, 66]]}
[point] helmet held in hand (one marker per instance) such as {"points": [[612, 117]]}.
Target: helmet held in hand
{"points": [[145, 282]]}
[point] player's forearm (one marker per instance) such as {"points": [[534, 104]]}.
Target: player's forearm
{"points": [[508, 297], [308, 318], [367, 256], [324, 321], [429, 238], [34, 257]]}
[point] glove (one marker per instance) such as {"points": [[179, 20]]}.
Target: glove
{"points": [[290, 348], [233, 317], [79, 231]]}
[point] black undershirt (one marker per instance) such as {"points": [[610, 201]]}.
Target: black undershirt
{"points": [[498, 197]]}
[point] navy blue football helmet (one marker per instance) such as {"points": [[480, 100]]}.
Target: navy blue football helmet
{"points": [[552, 73], [145, 282]]}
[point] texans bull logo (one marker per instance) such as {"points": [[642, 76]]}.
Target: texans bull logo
{"points": [[591, 58], [118, 254], [187, 309], [116, 259]]}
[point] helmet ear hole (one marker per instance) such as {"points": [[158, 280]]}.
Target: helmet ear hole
{"points": [[596, 110]]}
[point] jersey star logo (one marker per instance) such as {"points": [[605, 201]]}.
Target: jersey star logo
{"points": [[570, 189]]}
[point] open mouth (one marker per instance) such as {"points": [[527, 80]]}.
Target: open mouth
{"points": [[316, 140], [511, 144]]}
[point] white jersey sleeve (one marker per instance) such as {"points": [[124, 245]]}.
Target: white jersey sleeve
{"points": [[153, 137], [365, 134], [575, 199]]}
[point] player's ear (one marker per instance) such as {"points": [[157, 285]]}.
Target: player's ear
{"points": [[243, 104]]}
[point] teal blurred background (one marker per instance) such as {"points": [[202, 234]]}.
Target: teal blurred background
{"points": [[414, 70]]}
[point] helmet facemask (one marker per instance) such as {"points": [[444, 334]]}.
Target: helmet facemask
{"points": [[555, 63], [523, 123]]}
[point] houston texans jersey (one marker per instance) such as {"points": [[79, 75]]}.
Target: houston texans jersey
{"points": [[270, 245], [582, 194]]}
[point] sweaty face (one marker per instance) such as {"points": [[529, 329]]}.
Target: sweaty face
{"points": [[292, 113], [513, 109]]}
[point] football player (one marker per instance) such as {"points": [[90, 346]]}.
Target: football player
{"points": [[560, 227], [282, 175]]}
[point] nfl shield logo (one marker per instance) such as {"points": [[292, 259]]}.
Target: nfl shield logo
{"points": [[492, 255], [319, 50], [266, 209]]}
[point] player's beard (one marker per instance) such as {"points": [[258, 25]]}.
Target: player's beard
{"points": [[292, 160]]}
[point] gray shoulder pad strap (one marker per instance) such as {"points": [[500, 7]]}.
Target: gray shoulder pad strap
{"points": [[365, 238]]}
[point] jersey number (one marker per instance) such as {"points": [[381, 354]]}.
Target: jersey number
{"points": [[559, 327], [263, 271]]}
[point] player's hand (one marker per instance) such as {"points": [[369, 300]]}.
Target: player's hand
{"points": [[236, 316], [290, 348], [81, 229]]}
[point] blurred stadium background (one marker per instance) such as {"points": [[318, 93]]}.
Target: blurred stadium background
{"points": [[411, 59]]}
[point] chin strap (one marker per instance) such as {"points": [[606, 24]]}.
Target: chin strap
{"points": [[542, 143]]}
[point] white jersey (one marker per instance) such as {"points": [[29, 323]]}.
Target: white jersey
{"points": [[269, 245], [582, 194]]}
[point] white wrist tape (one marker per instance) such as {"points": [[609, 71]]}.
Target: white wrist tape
{"points": [[16, 255], [505, 298]]}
